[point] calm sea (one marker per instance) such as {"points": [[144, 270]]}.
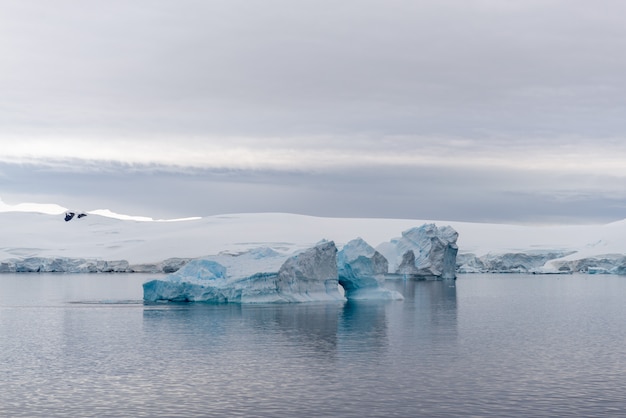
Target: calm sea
{"points": [[485, 345]]}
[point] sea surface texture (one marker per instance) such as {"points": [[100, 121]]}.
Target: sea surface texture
{"points": [[483, 345]]}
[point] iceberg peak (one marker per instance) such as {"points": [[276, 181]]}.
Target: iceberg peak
{"points": [[426, 251], [362, 270]]}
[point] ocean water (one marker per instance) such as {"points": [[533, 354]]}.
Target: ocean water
{"points": [[484, 345]]}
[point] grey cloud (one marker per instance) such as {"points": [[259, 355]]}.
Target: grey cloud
{"points": [[394, 192], [457, 79], [465, 68]]}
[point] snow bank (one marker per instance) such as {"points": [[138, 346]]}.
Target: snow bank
{"points": [[81, 244]]}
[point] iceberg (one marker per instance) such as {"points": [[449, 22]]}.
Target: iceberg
{"points": [[425, 252], [362, 272], [311, 275], [320, 273], [198, 280], [308, 276]]}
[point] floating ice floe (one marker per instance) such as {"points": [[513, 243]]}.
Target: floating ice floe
{"points": [[308, 276], [316, 274]]}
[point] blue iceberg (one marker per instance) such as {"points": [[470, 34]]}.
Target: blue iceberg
{"points": [[320, 273], [362, 271], [308, 276]]}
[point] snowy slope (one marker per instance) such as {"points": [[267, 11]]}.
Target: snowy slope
{"points": [[34, 234]]}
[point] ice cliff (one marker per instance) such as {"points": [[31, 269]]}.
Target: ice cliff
{"points": [[319, 273], [308, 276], [422, 252], [519, 262], [602, 264], [542, 262], [362, 271], [83, 265]]}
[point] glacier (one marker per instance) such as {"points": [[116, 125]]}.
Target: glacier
{"points": [[601, 264], [518, 262], [87, 265], [542, 262], [40, 241]]}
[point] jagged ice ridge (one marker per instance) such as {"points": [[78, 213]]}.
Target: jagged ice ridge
{"points": [[319, 273]]}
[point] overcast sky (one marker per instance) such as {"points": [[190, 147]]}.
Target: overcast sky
{"points": [[479, 110]]}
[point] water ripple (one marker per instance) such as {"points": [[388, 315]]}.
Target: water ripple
{"points": [[491, 346]]}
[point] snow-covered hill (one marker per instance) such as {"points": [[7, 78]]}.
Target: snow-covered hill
{"points": [[27, 234]]}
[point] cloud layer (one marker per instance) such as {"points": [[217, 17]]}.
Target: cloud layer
{"points": [[523, 99], [469, 68]]}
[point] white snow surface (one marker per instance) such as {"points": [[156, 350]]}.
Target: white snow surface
{"points": [[54, 209], [47, 208], [27, 233]]}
